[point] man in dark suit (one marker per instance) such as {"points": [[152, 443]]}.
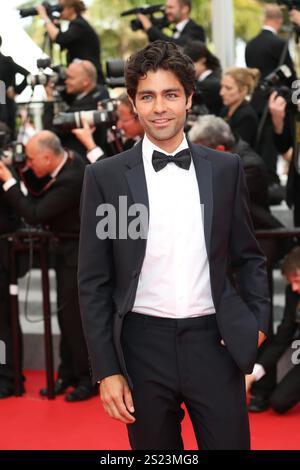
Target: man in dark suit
{"points": [[162, 321], [8, 71], [287, 392], [184, 30], [265, 52], [57, 210]]}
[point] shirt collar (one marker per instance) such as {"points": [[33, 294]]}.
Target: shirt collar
{"points": [[269, 28], [149, 147], [204, 75], [180, 26], [60, 166]]}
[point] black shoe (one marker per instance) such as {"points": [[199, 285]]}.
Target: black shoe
{"points": [[81, 392], [258, 404], [6, 391], [60, 387]]}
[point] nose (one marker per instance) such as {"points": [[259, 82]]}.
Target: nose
{"points": [[159, 105]]}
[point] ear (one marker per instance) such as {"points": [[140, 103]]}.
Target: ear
{"points": [[189, 102]]}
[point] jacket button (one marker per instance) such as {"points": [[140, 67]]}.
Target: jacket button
{"points": [[135, 274]]}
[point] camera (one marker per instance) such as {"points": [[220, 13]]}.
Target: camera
{"points": [[25, 12], [106, 116], [279, 80], [290, 4], [13, 153], [115, 73], [57, 75], [156, 15]]}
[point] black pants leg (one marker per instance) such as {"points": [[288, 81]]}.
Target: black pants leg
{"points": [[287, 392], [176, 361]]}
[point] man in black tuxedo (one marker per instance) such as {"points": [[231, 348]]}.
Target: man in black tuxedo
{"points": [[287, 392], [162, 321], [265, 53], [8, 71], [184, 30], [57, 210]]}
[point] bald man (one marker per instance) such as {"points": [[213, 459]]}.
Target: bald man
{"points": [[57, 209], [82, 94]]}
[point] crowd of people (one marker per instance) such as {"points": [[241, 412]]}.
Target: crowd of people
{"points": [[232, 111]]}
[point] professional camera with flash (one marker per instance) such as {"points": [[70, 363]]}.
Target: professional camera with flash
{"points": [[51, 9], [56, 75]]}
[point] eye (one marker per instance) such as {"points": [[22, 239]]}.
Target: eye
{"points": [[172, 95], [146, 97]]}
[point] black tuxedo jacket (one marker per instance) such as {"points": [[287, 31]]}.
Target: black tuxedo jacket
{"points": [[191, 32], [264, 52], [109, 269]]}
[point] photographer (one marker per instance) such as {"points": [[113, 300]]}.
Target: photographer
{"points": [[266, 52], [80, 40], [128, 122], [287, 392], [185, 29], [8, 71], [286, 124], [57, 209], [82, 94]]}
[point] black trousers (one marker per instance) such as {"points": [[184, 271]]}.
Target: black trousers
{"points": [[172, 362], [287, 393]]}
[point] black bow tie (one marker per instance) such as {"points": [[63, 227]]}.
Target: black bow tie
{"points": [[182, 159]]}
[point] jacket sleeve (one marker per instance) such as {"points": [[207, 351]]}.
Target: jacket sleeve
{"points": [[246, 258], [95, 283]]}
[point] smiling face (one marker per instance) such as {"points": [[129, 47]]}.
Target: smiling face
{"points": [[161, 105]]}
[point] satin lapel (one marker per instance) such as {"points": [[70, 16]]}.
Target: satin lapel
{"points": [[136, 178], [204, 176]]}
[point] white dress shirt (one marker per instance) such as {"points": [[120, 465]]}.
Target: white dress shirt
{"points": [[179, 28], [174, 280]]}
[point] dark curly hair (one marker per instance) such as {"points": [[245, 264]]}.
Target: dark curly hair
{"points": [[159, 55]]}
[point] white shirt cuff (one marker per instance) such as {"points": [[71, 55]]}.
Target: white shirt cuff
{"points": [[9, 184], [94, 154], [258, 372]]}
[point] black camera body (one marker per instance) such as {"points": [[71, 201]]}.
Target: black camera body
{"points": [[25, 12], [290, 4], [156, 15], [280, 81], [106, 116], [57, 75], [13, 153]]}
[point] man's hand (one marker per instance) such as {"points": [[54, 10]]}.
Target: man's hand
{"points": [[5, 174], [294, 16], [85, 135], [145, 21], [249, 379], [261, 338], [10, 92], [277, 108], [42, 12], [117, 399]]}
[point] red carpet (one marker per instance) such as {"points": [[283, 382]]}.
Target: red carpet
{"points": [[31, 422]]}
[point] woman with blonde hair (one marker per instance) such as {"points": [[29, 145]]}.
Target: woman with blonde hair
{"points": [[237, 84]]}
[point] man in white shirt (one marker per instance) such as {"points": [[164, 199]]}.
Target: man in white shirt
{"points": [[164, 326], [185, 29]]}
